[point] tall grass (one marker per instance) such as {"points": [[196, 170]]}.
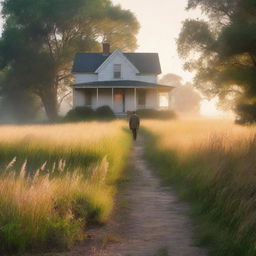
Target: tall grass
{"points": [[56, 180], [212, 164]]}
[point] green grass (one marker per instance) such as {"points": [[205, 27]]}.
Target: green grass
{"points": [[220, 186], [56, 180]]}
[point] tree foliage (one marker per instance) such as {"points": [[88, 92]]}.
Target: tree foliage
{"points": [[41, 37], [222, 50], [171, 79], [185, 99]]}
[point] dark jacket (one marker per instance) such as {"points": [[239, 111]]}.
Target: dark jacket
{"points": [[134, 122]]}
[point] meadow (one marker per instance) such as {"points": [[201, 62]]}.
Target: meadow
{"points": [[55, 180], [212, 164]]}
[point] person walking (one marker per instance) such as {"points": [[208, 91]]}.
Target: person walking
{"points": [[134, 124]]}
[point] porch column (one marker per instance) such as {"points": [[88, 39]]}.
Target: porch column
{"points": [[135, 99], [73, 98], [97, 93], [113, 99]]}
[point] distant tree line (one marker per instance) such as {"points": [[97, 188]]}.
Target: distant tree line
{"points": [[222, 50], [38, 44], [185, 99]]}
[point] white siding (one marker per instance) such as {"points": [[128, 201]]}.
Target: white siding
{"points": [[127, 71], [79, 99], [146, 78], [129, 100], [85, 78], [152, 99], [105, 99]]}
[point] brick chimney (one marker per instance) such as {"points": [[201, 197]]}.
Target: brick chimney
{"points": [[106, 49]]}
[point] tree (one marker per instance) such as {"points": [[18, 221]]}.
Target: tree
{"points": [[171, 79], [223, 51], [16, 105], [41, 37], [185, 98]]}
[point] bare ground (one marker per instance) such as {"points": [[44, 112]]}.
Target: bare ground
{"points": [[149, 219]]}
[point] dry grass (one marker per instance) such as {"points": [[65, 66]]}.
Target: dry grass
{"points": [[187, 134], [212, 163], [55, 180]]}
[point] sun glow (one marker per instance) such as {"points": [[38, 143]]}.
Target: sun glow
{"points": [[209, 108]]}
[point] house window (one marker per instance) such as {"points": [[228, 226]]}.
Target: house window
{"points": [[88, 98], [117, 71], [141, 98], [118, 98], [163, 100]]}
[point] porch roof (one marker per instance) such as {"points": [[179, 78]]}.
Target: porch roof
{"points": [[122, 84]]}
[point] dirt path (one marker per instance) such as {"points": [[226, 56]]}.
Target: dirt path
{"points": [[150, 220]]}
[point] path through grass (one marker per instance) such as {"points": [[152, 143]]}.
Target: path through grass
{"points": [[149, 219]]}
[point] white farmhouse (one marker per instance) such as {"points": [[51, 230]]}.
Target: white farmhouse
{"points": [[122, 81]]}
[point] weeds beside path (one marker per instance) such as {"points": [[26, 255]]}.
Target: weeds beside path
{"points": [[149, 221]]}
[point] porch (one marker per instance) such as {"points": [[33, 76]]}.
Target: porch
{"points": [[121, 98]]}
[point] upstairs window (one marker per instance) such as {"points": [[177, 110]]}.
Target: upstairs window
{"points": [[117, 71]]}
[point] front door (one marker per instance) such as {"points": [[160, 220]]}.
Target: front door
{"points": [[119, 101]]}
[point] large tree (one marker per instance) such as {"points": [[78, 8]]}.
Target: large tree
{"points": [[222, 50], [41, 37]]}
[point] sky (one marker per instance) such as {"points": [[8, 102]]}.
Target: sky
{"points": [[161, 22]]}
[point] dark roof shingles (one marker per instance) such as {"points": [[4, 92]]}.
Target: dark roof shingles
{"points": [[146, 63], [87, 62]]}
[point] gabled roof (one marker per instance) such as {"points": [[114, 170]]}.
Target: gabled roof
{"points": [[146, 63], [112, 56], [122, 84]]}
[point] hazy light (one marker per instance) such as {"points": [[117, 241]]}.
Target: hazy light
{"points": [[164, 100], [210, 109], [161, 22]]}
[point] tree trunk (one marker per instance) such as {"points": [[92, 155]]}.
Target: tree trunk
{"points": [[49, 100]]}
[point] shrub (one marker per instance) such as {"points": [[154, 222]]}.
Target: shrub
{"points": [[85, 113], [156, 114], [104, 112], [79, 114]]}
